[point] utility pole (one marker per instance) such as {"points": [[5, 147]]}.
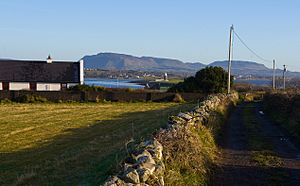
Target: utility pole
{"points": [[284, 71], [230, 58], [274, 75]]}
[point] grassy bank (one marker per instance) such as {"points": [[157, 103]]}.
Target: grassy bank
{"points": [[284, 109], [190, 160], [191, 154], [72, 144]]}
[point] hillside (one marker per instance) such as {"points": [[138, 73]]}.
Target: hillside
{"points": [[114, 61], [246, 68]]}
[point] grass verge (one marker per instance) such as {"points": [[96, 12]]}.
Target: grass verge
{"points": [[284, 110], [190, 158], [190, 154]]}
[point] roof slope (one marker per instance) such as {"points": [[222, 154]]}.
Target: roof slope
{"points": [[39, 71]]}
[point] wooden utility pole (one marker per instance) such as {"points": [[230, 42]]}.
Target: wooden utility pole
{"points": [[284, 71], [274, 75], [230, 58]]}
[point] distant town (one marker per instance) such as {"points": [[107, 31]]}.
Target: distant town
{"points": [[128, 74]]}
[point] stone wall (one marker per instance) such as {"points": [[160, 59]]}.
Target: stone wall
{"points": [[145, 166]]}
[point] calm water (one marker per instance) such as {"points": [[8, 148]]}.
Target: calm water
{"points": [[125, 83], [112, 83], [259, 82]]}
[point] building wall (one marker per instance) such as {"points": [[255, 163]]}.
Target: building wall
{"points": [[18, 86], [39, 86], [81, 72], [48, 86], [71, 85]]}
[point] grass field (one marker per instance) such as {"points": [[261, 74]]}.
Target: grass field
{"points": [[72, 144]]}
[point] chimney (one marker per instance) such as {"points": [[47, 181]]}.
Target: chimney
{"points": [[49, 59]]}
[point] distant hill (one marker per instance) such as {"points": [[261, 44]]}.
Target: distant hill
{"points": [[114, 61], [246, 68]]}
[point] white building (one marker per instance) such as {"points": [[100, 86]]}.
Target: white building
{"points": [[45, 75]]}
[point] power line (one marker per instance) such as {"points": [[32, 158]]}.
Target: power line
{"points": [[252, 51]]}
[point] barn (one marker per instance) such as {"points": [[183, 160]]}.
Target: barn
{"points": [[48, 75]]}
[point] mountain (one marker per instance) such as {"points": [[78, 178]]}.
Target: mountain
{"points": [[246, 68], [113, 61]]}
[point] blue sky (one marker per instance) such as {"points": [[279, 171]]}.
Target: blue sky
{"points": [[188, 30]]}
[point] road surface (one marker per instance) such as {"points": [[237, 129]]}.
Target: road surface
{"points": [[237, 165]]}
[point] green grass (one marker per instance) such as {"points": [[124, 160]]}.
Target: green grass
{"points": [[190, 157], [165, 85], [267, 158], [175, 81], [72, 143]]}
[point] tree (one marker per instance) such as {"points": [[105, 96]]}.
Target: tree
{"points": [[207, 80], [189, 85]]}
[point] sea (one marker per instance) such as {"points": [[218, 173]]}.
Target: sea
{"points": [[127, 83], [113, 83], [258, 82]]}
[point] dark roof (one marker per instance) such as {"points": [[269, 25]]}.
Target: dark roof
{"points": [[39, 71]]}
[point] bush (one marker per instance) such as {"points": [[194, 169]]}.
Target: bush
{"points": [[189, 85], [87, 88], [178, 98], [207, 80], [30, 99], [5, 100]]}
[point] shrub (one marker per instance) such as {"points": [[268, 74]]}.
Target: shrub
{"points": [[5, 100], [207, 80], [30, 99], [87, 88], [178, 98]]}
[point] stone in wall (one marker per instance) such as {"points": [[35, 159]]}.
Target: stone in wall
{"points": [[145, 166]]}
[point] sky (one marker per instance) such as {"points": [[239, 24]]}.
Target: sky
{"points": [[188, 30]]}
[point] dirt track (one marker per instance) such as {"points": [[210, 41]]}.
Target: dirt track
{"points": [[237, 165]]}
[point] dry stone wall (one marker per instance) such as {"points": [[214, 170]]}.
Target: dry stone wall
{"points": [[145, 166]]}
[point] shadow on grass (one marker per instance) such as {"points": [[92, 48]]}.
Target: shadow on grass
{"points": [[82, 156]]}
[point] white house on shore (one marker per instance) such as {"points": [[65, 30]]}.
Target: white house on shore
{"points": [[45, 75]]}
